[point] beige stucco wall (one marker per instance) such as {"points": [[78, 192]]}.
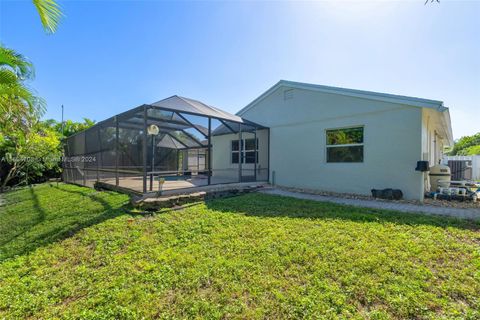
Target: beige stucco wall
{"points": [[222, 166], [392, 142]]}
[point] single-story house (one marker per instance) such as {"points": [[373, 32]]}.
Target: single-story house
{"points": [[345, 140], [295, 135]]}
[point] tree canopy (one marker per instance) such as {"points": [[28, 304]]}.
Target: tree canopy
{"points": [[19, 105], [468, 145], [35, 154]]}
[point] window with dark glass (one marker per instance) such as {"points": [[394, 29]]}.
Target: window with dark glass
{"points": [[235, 151], [235, 157], [235, 145], [345, 145], [249, 151]]}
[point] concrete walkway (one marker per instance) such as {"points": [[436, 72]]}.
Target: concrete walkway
{"points": [[473, 214]]}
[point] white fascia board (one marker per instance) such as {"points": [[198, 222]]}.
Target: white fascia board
{"points": [[448, 126]]}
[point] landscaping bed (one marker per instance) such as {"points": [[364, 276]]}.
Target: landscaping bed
{"points": [[467, 204]]}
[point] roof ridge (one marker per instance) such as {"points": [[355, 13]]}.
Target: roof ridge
{"points": [[183, 104], [186, 101], [206, 105], [321, 86]]}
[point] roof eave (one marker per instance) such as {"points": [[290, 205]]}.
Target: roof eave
{"points": [[448, 126]]}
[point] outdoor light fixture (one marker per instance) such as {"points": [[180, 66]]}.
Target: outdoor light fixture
{"points": [[153, 129]]}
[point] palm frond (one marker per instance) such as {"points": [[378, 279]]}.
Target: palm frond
{"points": [[20, 94], [50, 14], [7, 77], [17, 62]]}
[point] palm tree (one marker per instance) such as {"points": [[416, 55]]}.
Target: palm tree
{"points": [[50, 14], [18, 103], [20, 109]]}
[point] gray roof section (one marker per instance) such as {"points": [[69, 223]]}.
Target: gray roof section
{"points": [[168, 142], [169, 120], [188, 105]]}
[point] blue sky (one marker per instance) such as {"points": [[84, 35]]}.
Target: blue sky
{"points": [[110, 56]]}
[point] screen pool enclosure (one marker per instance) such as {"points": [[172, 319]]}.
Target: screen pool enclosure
{"points": [[175, 143]]}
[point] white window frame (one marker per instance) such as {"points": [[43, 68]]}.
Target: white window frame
{"points": [[242, 155], [235, 151], [344, 145]]}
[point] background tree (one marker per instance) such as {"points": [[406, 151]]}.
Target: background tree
{"points": [[34, 155], [71, 127], [26, 155], [468, 145]]}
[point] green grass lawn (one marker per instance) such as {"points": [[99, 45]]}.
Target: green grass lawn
{"points": [[71, 252]]}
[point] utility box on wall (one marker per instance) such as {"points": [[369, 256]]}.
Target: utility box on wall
{"points": [[422, 166]]}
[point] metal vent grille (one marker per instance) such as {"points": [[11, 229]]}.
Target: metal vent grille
{"points": [[288, 94]]}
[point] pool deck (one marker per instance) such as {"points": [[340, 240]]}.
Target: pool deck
{"points": [[136, 183]]}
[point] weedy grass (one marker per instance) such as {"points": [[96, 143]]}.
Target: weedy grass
{"points": [[35, 216], [249, 257]]}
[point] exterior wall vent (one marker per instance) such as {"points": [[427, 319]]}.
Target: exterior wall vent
{"points": [[288, 94]]}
